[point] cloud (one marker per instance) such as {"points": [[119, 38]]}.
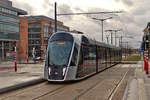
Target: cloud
{"points": [[64, 9], [78, 9], [49, 8], [24, 6], [128, 2], [132, 21]]}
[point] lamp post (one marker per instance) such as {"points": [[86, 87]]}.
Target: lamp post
{"points": [[116, 36], [111, 32], [107, 36], [55, 15], [102, 21]]}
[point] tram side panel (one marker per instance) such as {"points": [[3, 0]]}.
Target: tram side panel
{"points": [[110, 53], [46, 68], [116, 56], [101, 58], [108, 57], [87, 61], [113, 56]]}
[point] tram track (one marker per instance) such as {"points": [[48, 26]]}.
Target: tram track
{"points": [[73, 91], [36, 91], [49, 92], [76, 96], [114, 69], [100, 83], [117, 86]]}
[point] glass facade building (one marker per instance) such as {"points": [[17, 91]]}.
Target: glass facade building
{"points": [[9, 27]]}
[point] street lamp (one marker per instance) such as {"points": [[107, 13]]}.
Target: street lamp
{"points": [[111, 32], [107, 36], [116, 36], [102, 21]]}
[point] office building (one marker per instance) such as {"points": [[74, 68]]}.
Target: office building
{"points": [[9, 28], [35, 32]]}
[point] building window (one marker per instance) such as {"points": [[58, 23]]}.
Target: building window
{"points": [[4, 10], [10, 28], [31, 36], [46, 30], [8, 19], [34, 30], [34, 42]]}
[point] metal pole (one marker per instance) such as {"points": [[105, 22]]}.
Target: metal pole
{"points": [[55, 15], [3, 50], [111, 38], [121, 41], [107, 40], [127, 49], [102, 29], [115, 39], [102, 21]]}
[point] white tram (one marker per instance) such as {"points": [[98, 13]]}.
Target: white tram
{"points": [[73, 56]]}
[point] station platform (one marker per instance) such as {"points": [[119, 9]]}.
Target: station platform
{"points": [[26, 74], [138, 87]]}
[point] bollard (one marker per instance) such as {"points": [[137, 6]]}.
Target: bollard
{"points": [[146, 65], [27, 60], [15, 61], [15, 65]]}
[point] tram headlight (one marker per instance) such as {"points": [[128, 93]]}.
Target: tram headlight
{"points": [[49, 71], [64, 69]]}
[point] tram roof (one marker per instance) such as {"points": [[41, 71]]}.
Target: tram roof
{"points": [[89, 40]]}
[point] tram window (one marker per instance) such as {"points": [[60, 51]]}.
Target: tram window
{"points": [[74, 57], [89, 55], [92, 53], [102, 54], [81, 58], [80, 71]]}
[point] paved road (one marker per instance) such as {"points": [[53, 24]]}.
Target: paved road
{"points": [[107, 85]]}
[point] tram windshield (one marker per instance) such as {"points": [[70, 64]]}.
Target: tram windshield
{"points": [[60, 47]]}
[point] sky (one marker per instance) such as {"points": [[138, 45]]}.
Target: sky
{"points": [[131, 21]]}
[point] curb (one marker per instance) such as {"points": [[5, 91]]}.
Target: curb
{"points": [[125, 96], [135, 89], [142, 91], [21, 85], [129, 62]]}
